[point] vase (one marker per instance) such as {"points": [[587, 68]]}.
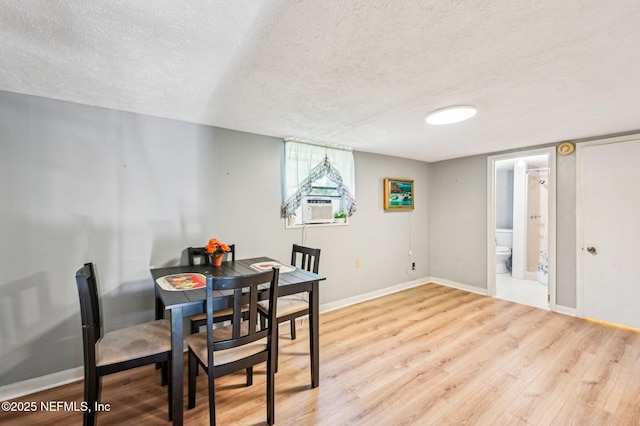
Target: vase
{"points": [[216, 259]]}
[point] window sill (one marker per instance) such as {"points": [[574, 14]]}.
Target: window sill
{"points": [[314, 225]]}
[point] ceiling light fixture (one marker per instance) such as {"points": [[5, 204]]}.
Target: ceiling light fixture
{"points": [[452, 114]]}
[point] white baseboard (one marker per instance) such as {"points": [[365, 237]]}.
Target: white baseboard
{"points": [[37, 384], [459, 286], [564, 310], [399, 287], [326, 307]]}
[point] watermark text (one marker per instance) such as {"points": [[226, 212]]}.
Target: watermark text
{"points": [[53, 406]]}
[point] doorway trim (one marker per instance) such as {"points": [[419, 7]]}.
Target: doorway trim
{"points": [[491, 218]]}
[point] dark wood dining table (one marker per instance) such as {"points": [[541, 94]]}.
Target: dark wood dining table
{"points": [[185, 303]]}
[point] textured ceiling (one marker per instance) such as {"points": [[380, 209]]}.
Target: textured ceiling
{"points": [[362, 73]]}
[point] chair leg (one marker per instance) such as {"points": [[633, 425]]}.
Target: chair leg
{"points": [[98, 388], [270, 392], [91, 389], [193, 364], [263, 322], [249, 374], [276, 347], [170, 390], [293, 329], [164, 373], [195, 328], [212, 397]]}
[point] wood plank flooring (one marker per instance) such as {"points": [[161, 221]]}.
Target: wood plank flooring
{"points": [[430, 355]]}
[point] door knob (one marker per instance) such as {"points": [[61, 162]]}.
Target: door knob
{"points": [[592, 250]]}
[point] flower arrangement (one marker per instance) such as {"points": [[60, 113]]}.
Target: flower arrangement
{"points": [[217, 248]]}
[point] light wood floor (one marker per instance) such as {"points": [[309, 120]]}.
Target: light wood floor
{"points": [[430, 355]]}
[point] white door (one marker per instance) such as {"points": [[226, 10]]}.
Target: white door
{"points": [[610, 244]]}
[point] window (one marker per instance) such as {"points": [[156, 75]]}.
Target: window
{"points": [[318, 181]]}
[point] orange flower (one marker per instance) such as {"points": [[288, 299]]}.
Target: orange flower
{"points": [[216, 246]]}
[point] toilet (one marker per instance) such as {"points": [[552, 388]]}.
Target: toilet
{"points": [[504, 243]]}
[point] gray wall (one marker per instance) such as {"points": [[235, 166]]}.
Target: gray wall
{"points": [[458, 223], [127, 191], [458, 233]]}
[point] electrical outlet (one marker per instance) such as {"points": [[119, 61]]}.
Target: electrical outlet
{"points": [[413, 266], [357, 262]]}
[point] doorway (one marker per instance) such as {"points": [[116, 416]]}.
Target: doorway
{"points": [[521, 227]]}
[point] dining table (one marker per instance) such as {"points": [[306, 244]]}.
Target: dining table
{"points": [[183, 303]]}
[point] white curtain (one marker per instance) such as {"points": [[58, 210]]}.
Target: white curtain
{"points": [[305, 162]]}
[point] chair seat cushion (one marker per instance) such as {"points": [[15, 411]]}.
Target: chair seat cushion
{"points": [[198, 344], [134, 342], [286, 305]]}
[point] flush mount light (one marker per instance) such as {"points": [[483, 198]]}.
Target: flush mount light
{"points": [[453, 114]]}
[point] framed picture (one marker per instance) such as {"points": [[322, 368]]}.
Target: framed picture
{"points": [[398, 194]]}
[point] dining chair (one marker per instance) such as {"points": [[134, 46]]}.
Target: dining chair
{"points": [[296, 305], [239, 345], [199, 256], [118, 350]]}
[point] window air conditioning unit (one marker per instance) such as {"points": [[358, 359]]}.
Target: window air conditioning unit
{"points": [[317, 210]]}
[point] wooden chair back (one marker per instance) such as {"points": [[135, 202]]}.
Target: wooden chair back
{"points": [[247, 290], [89, 311], [309, 258]]}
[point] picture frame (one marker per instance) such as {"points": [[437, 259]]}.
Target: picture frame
{"points": [[398, 194]]}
